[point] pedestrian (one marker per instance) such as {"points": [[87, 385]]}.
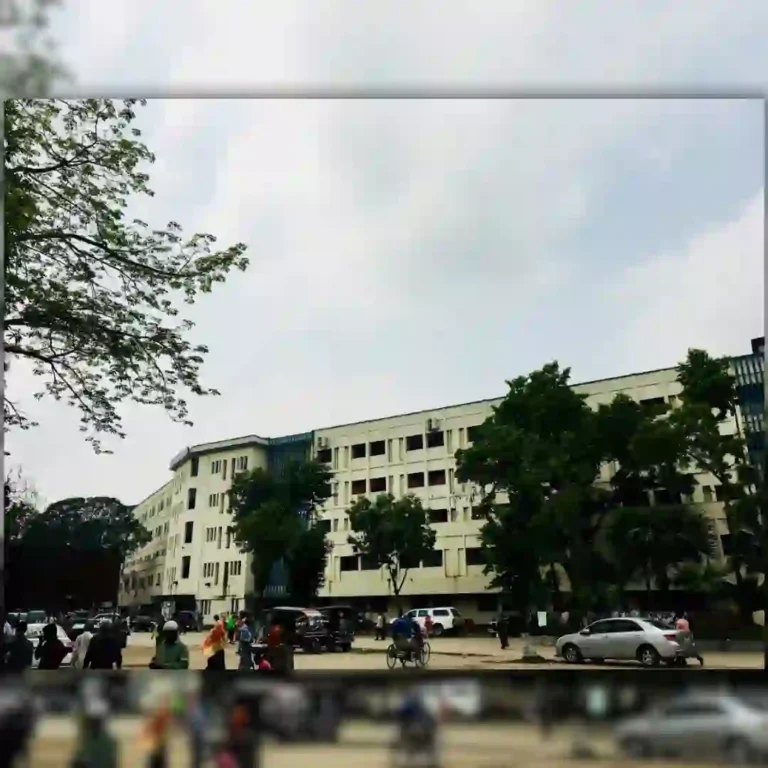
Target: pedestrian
{"points": [[104, 651], [170, 652], [380, 624], [242, 743], [682, 624], [196, 721], [231, 626], [428, 625], [158, 732], [214, 646], [502, 630], [82, 642], [245, 641], [19, 650], [50, 651]]}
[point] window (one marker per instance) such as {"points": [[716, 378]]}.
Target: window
{"points": [[435, 439], [436, 477], [205, 607], [708, 492], [324, 525], [434, 559], [693, 709], [358, 487], [195, 466], [335, 524], [476, 513], [409, 562], [224, 468], [416, 480], [625, 625], [378, 485], [242, 463], [189, 529], [727, 544], [377, 448], [414, 442], [367, 563], [207, 570], [213, 500], [216, 467], [663, 497], [185, 563], [325, 455], [653, 405], [235, 567], [216, 574], [606, 627], [438, 515], [441, 612], [210, 534], [473, 433], [191, 498], [349, 563], [358, 451], [475, 556]]}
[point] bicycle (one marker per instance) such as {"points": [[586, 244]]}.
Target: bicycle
{"points": [[419, 659]]}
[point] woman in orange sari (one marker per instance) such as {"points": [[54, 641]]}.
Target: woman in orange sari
{"points": [[214, 645]]}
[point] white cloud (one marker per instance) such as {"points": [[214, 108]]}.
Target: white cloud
{"points": [[709, 294]]}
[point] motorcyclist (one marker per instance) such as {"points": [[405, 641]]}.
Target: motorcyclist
{"points": [[171, 653]]}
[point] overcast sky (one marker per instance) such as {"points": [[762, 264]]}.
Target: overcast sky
{"points": [[414, 254]]}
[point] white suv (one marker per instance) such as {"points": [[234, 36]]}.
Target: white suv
{"points": [[443, 619]]}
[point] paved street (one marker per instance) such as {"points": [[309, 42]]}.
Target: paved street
{"points": [[478, 653]]}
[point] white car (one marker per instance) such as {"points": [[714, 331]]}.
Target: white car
{"points": [[35, 633], [443, 619]]}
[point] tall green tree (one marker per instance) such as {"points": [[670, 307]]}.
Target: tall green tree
{"points": [[395, 534], [709, 401], [534, 463], [82, 524], [92, 294], [273, 519]]}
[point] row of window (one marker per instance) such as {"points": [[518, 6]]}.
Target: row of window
{"points": [[206, 606], [348, 563], [396, 446], [219, 466], [211, 570]]}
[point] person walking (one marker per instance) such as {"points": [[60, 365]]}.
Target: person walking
{"points": [[244, 642], [214, 646], [231, 626], [82, 642], [502, 630], [380, 625], [20, 650], [51, 651], [104, 651], [428, 623]]}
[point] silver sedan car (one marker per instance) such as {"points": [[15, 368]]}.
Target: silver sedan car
{"points": [[645, 640], [719, 725]]}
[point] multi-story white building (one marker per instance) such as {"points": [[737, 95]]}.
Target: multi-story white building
{"points": [[410, 453]]}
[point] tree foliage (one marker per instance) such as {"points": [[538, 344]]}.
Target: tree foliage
{"points": [[28, 64], [92, 294], [83, 524], [393, 533], [538, 465], [273, 518]]}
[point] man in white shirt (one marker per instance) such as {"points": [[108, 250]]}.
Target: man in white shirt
{"points": [[81, 648]]}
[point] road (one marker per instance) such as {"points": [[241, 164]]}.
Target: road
{"points": [[463, 746], [448, 653]]}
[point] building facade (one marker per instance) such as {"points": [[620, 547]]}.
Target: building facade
{"points": [[749, 372], [193, 559]]}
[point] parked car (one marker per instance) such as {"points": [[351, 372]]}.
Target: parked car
{"points": [[304, 628], [443, 619], [645, 640], [142, 623], [729, 726], [36, 617], [76, 623], [35, 633]]}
